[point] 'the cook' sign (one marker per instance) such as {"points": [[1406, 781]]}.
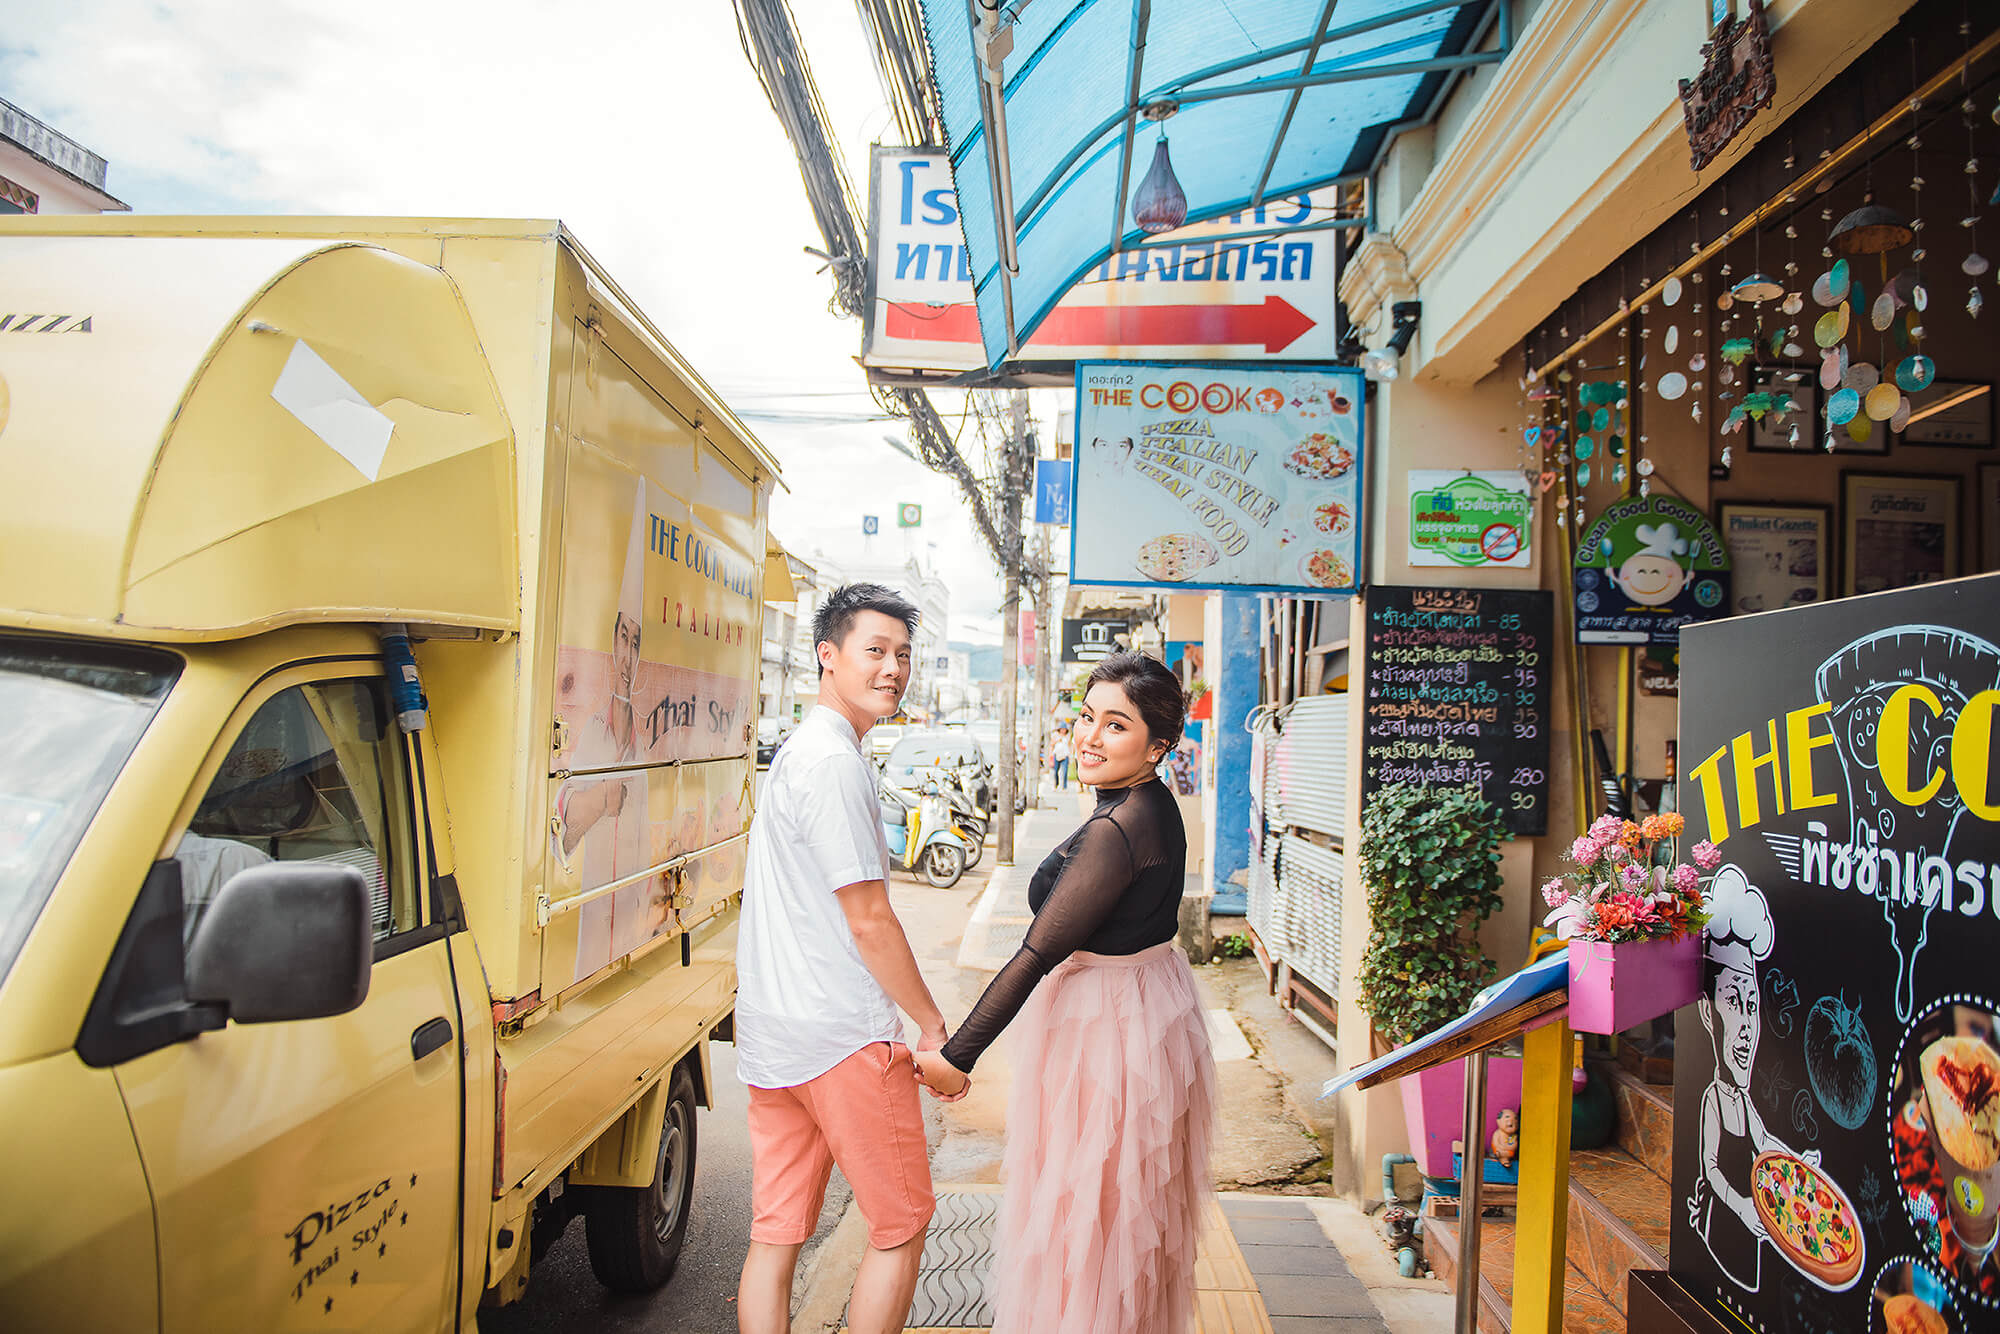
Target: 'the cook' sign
{"points": [[1217, 476]]}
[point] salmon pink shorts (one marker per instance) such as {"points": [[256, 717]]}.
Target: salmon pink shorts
{"points": [[864, 1115]]}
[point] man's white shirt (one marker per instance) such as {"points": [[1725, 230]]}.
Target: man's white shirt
{"points": [[805, 1000]]}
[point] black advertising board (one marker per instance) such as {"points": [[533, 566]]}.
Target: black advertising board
{"points": [[1837, 1099], [1458, 695], [1088, 640]]}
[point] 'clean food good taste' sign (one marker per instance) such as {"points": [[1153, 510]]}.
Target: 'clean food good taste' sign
{"points": [[1217, 477]]}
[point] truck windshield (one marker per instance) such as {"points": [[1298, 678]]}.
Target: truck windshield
{"points": [[69, 717]]}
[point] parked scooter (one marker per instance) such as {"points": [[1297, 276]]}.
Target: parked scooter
{"points": [[965, 818], [918, 827]]}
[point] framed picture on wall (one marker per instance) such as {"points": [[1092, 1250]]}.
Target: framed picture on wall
{"points": [[1952, 412], [1779, 555], [1988, 510], [1771, 435], [1897, 529]]}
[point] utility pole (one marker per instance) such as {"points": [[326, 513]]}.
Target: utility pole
{"points": [[1041, 697], [1012, 454]]}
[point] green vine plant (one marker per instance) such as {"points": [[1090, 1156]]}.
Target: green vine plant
{"points": [[1430, 859]]}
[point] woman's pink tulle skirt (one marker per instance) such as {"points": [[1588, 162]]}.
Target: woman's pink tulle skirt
{"points": [[1108, 1134]]}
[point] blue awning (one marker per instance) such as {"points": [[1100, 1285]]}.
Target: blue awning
{"points": [[1276, 97]]}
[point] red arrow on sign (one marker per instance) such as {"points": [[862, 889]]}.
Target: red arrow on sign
{"points": [[1276, 325]]}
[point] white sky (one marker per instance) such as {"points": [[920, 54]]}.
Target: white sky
{"points": [[637, 122]]}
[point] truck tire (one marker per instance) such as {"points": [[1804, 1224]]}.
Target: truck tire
{"points": [[943, 864], [635, 1233]]}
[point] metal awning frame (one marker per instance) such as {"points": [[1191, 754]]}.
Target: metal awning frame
{"points": [[988, 27]]}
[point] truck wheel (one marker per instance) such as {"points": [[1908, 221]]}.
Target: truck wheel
{"points": [[635, 1233], [944, 863]]}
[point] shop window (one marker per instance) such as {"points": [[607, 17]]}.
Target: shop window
{"points": [[316, 775], [17, 198]]}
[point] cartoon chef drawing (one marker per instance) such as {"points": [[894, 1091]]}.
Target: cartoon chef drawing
{"points": [[1722, 1209], [1654, 576]]}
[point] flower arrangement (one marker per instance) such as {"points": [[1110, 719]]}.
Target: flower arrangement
{"points": [[1630, 884]]}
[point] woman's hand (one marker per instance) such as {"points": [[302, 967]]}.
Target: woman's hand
{"points": [[945, 1080]]}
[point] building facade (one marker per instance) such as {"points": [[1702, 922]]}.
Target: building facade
{"points": [[44, 171]]}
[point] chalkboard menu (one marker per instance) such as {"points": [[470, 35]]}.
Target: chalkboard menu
{"points": [[1458, 695]]}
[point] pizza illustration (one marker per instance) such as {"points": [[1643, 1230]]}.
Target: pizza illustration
{"points": [[1173, 557], [1326, 569], [1809, 1218], [1320, 456]]}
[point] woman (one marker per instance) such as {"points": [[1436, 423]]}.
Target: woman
{"points": [[1060, 756], [1114, 1093]]}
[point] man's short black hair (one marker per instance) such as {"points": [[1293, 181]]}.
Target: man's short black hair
{"points": [[836, 614]]}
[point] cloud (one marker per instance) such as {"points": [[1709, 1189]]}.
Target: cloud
{"points": [[640, 124]]}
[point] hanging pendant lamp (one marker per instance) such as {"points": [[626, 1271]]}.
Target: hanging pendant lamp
{"points": [[1159, 204]]}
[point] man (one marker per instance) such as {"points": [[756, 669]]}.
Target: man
{"points": [[822, 965]]}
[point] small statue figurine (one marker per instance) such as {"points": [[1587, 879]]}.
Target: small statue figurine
{"points": [[1507, 1139]]}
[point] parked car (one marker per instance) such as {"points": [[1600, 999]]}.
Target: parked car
{"points": [[771, 734]]}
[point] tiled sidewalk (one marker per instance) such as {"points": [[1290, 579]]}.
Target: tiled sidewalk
{"points": [[1263, 1265]]}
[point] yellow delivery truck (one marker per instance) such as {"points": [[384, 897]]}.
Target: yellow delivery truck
{"points": [[379, 632]]}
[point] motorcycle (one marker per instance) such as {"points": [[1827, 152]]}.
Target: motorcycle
{"points": [[965, 818], [921, 835]]}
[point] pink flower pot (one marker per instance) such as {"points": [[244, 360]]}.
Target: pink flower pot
{"points": [[1613, 987], [1434, 1109]]}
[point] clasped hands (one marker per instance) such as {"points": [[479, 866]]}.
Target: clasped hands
{"points": [[946, 1081]]}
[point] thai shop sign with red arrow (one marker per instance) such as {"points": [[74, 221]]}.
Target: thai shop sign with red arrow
{"points": [[1185, 295]]}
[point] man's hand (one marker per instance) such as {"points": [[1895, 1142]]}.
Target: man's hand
{"points": [[941, 1077], [931, 1039]]}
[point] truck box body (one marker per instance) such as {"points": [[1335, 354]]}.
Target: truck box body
{"points": [[243, 446]]}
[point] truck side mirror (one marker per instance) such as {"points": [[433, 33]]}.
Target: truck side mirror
{"points": [[290, 940]]}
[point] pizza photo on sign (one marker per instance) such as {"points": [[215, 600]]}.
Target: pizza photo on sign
{"points": [[1911, 1298], [1809, 1218], [1174, 557]]}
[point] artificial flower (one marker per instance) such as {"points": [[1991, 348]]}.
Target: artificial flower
{"points": [[1707, 856]]}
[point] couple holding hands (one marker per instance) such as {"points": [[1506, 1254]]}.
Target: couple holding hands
{"points": [[1112, 1110]]}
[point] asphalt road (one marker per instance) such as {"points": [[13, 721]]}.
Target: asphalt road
{"points": [[564, 1296]]}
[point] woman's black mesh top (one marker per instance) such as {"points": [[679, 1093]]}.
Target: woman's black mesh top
{"points": [[1113, 887]]}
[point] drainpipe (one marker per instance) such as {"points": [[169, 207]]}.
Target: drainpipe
{"points": [[1407, 1261], [1390, 1161]]}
